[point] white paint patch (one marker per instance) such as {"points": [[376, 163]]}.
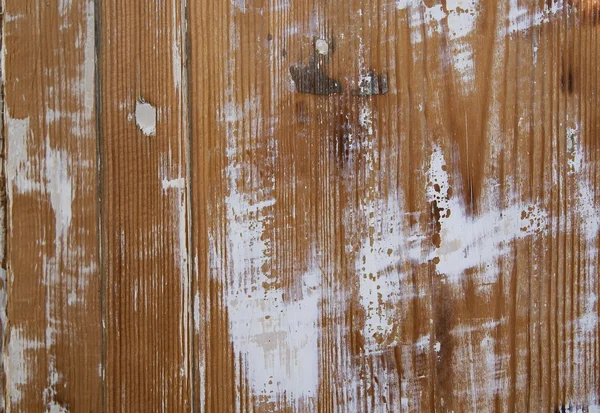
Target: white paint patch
{"points": [[322, 47], [177, 183], [276, 337], [16, 362], [54, 407], [145, 117], [460, 20], [475, 242], [64, 6], [462, 17], [61, 192], [405, 4], [383, 252], [20, 177], [521, 18]]}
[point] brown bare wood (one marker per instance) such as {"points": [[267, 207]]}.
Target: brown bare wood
{"points": [[52, 352]]}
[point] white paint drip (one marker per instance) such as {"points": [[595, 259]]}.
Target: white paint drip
{"points": [[145, 117]]}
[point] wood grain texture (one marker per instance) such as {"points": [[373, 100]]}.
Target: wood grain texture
{"points": [[52, 353], [255, 225], [146, 289]]}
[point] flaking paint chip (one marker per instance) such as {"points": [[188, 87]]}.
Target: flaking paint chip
{"points": [[145, 117]]}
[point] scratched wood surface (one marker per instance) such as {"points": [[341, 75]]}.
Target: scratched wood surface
{"points": [[300, 206]]}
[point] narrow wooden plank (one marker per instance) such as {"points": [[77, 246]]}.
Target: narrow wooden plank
{"points": [[144, 207], [53, 340], [433, 247]]}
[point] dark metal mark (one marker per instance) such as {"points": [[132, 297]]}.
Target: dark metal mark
{"points": [[371, 85], [311, 79]]}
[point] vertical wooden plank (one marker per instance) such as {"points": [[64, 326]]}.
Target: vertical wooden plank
{"points": [[144, 207], [446, 230], [53, 341]]}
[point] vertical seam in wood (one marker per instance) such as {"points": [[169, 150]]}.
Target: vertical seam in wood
{"points": [[187, 129], [99, 186], [3, 212]]}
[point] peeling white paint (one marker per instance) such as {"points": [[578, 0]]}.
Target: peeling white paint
{"points": [[145, 117]]}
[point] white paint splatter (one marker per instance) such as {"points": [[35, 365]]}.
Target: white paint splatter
{"points": [[475, 242]]}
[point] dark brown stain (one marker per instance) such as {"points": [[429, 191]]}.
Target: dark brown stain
{"points": [[311, 79], [566, 81]]}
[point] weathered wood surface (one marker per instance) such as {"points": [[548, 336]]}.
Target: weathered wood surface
{"points": [[300, 206]]}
